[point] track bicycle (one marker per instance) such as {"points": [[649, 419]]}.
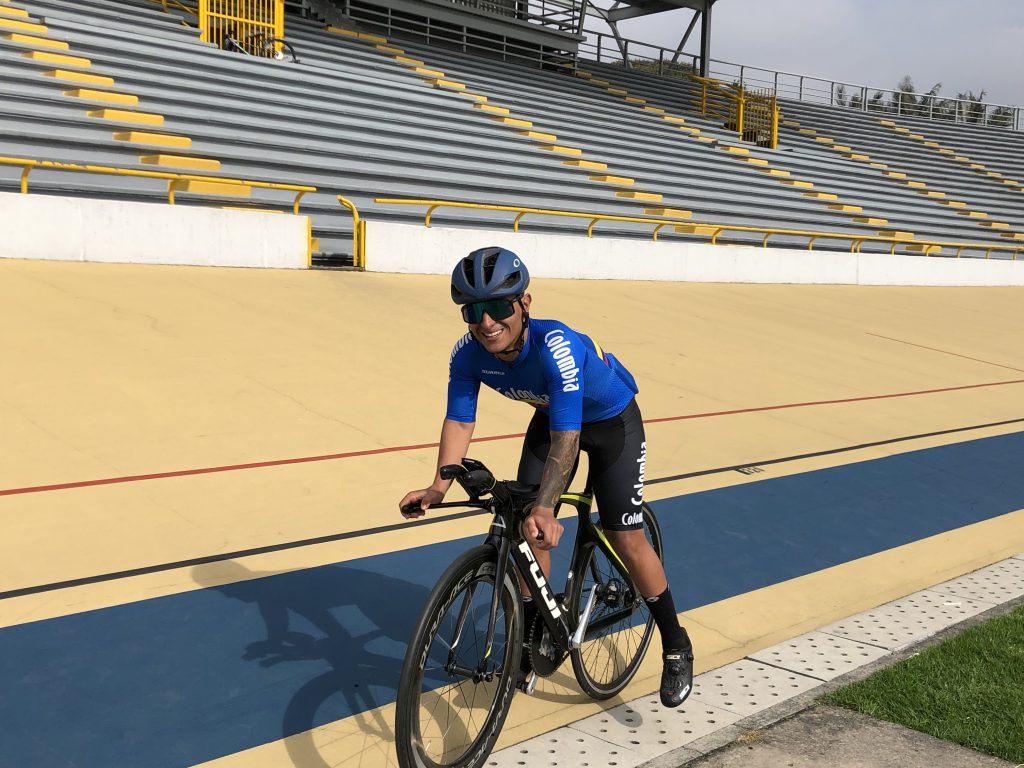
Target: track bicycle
{"points": [[462, 665]]}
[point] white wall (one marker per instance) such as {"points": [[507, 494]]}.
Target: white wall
{"points": [[73, 229], [435, 250]]}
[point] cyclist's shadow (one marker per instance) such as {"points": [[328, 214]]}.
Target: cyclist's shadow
{"points": [[314, 597]]}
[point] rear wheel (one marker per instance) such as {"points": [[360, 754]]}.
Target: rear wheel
{"points": [[454, 693], [621, 624]]}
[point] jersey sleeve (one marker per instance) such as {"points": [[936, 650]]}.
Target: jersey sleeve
{"points": [[563, 355], [463, 383]]}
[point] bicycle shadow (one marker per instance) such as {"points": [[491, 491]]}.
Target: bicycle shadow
{"points": [[562, 687], [356, 621]]}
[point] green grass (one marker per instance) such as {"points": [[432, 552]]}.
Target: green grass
{"points": [[968, 689]]}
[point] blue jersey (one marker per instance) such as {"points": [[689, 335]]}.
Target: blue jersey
{"points": [[559, 370]]}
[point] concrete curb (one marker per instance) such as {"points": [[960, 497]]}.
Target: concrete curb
{"points": [[794, 706], [736, 700]]}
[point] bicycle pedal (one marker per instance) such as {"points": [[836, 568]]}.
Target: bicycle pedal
{"points": [[528, 685]]}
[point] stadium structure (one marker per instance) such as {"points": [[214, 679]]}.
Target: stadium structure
{"points": [[534, 114], [205, 561]]}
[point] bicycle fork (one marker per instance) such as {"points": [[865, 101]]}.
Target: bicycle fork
{"points": [[481, 673]]}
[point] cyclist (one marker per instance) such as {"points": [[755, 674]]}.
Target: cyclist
{"points": [[583, 399]]}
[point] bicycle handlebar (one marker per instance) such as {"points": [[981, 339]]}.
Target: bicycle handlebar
{"points": [[476, 480]]}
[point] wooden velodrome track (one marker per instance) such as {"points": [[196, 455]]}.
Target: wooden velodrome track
{"points": [[203, 559]]}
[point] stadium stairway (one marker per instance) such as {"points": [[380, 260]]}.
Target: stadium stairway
{"points": [[983, 172], [473, 71], [589, 130], [910, 155], [850, 168], [698, 179], [366, 116]]}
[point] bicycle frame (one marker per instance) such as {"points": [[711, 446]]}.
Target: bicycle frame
{"points": [[505, 536]]}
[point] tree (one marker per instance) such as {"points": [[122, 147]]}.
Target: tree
{"points": [[906, 101], [971, 108], [1001, 118]]}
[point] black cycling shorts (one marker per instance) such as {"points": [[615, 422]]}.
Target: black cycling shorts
{"points": [[617, 450]]}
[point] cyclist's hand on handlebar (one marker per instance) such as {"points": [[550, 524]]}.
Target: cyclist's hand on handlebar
{"points": [[542, 528], [415, 503]]}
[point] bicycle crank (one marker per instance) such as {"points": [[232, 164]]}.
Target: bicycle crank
{"points": [[545, 656], [581, 630]]}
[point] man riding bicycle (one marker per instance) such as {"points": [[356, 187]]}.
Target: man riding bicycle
{"points": [[584, 399]]}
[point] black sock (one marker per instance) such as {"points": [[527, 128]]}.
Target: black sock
{"points": [[673, 636]]}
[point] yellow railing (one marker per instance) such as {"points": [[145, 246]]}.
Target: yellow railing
{"points": [[246, 22], [761, 118], [521, 211], [358, 234], [711, 231], [168, 4], [174, 180], [753, 114], [720, 101]]}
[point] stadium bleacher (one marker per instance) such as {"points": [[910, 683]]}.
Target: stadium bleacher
{"points": [[367, 116]]}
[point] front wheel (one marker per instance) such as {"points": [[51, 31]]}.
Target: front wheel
{"points": [[621, 625], [454, 692]]}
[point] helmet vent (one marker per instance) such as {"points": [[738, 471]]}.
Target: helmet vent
{"points": [[510, 281], [490, 261], [467, 270]]}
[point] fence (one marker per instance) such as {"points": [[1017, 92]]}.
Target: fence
{"points": [[243, 24], [760, 118], [754, 115], [602, 47], [713, 232], [864, 98]]}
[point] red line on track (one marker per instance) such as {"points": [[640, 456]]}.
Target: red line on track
{"points": [[420, 446], [828, 402]]}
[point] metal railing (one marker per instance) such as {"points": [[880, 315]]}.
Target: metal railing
{"points": [[719, 101], [837, 93], [553, 14], [754, 115], [523, 211], [358, 234], [603, 47], [925, 247], [760, 118], [606, 49], [712, 231], [463, 38], [242, 20], [176, 4], [174, 180]]}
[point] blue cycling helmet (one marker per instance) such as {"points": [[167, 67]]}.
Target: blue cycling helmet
{"points": [[489, 273]]}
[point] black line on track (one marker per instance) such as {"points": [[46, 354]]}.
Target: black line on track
{"points": [[944, 352], [226, 556], [22, 592], [829, 452]]}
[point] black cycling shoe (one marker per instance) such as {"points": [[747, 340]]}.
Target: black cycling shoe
{"points": [[676, 677]]}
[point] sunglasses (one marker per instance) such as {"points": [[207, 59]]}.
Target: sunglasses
{"points": [[498, 309]]}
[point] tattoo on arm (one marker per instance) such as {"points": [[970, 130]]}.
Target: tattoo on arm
{"points": [[565, 446]]}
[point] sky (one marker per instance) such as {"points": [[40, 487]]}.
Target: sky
{"points": [[963, 44]]}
